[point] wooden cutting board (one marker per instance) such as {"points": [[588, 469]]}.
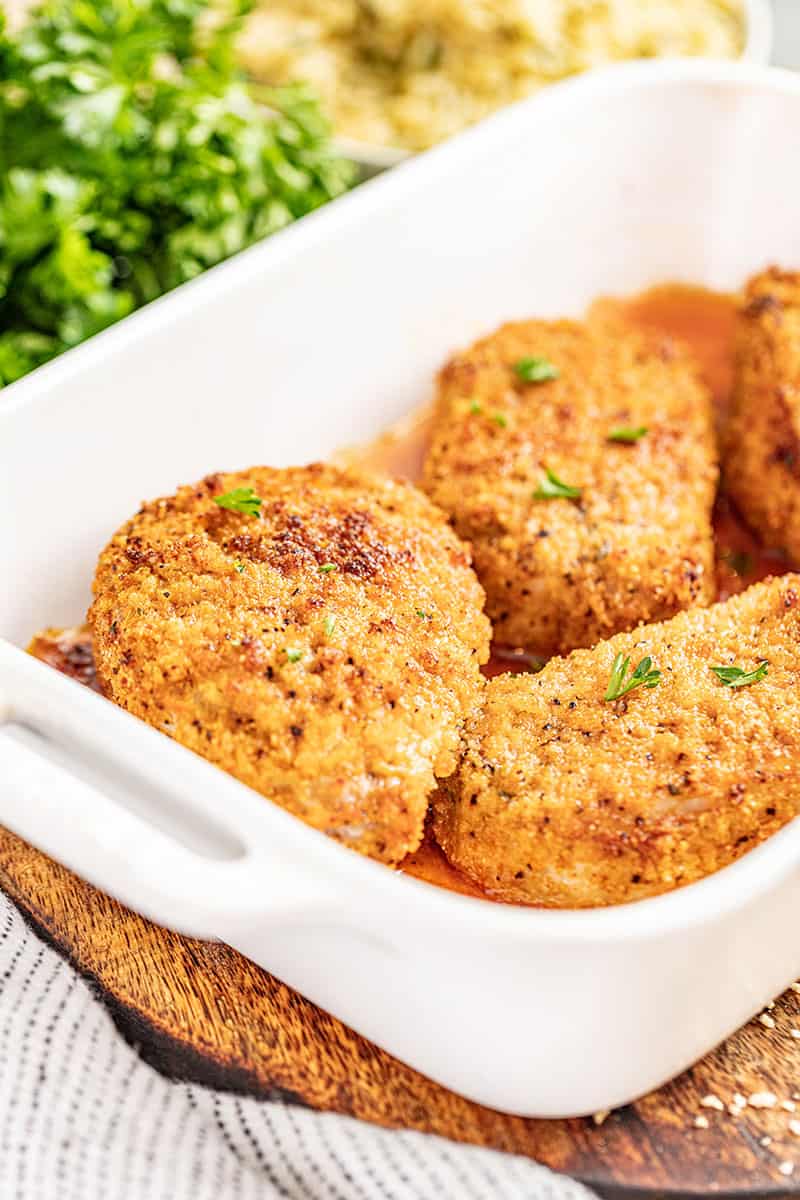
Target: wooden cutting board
{"points": [[200, 1011]]}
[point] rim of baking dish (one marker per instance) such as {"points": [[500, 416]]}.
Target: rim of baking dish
{"points": [[759, 870]]}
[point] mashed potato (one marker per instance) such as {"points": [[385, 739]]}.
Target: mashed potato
{"points": [[406, 73]]}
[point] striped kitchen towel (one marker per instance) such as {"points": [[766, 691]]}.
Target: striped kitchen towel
{"points": [[82, 1117]]}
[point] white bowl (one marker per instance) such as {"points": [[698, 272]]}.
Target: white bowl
{"points": [[372, 158], [318, 338]]}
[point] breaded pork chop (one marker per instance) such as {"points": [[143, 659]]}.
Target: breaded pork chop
{"points": [[636, 545], [322, 649], [566, 800], [762, 444]]}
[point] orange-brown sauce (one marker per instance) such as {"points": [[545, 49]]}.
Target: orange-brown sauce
{"points": [[68, 651], [399, 451], [703, 320]]}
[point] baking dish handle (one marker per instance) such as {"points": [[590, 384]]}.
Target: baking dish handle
{"points": [[208, 879]]}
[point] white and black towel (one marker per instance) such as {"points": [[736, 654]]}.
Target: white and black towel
{"points": [[82, 1117]]}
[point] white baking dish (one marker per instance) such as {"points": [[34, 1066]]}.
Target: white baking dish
{"points": [[317, 338]]}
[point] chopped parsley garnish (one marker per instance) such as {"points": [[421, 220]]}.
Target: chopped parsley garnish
{"points": [[326, 568], [294, 655], [535, 370], [642, 676], [423, 615], [552, 488], [500, 419], [134, 156], [241, 499], [475, 408], [627, 433], [239, 567], [330, 625], [736, 677]]}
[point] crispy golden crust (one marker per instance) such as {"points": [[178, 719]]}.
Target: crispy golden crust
{"points": [[565, 800], [198, 612], [638, 544], [762, 444]]}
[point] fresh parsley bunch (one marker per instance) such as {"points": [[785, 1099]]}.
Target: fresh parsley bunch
{"points": [[132, 157]]}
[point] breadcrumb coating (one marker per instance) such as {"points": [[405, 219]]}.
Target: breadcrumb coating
{"points": [[762, 444], [566, 800], [637, 545], [323, 651]]}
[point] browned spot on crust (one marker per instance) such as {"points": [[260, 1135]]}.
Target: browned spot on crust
{"points": [[764, 302], [352, 544], [137, 553]]}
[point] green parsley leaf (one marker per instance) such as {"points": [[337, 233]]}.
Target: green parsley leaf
{"points": [[735, 677], [241, 499], [294, 655], [326, 568], [627, 433], [500, 419], [240, 566], [552, 488], [475, 408], [535, 370], [423, 615], [330, 625], [642, 676]]}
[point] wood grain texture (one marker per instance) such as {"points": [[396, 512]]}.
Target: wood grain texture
{"points": [[201, 1011]]}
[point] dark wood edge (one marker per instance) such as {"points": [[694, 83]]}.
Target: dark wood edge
{"points": [[170, 1056], [179, 1061]]}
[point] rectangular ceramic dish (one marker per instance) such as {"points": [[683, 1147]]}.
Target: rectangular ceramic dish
{"points": [[316, 339]]}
